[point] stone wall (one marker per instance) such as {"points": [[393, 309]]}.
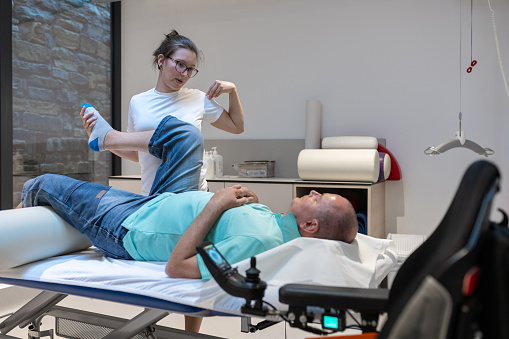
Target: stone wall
{"points": [[61, 58]]}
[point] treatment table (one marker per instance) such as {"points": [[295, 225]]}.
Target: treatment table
{"points": [[89, 273]]}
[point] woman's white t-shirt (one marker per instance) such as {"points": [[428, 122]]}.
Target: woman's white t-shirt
{"points": [[147, 109]]}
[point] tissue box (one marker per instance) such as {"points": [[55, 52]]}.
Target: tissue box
{"points": [[257, 169]]}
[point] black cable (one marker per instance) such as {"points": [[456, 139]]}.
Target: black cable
{"points": [[266, 302], [284, 317]]}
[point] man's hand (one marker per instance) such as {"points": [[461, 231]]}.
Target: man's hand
{"points": [[231, 197]]}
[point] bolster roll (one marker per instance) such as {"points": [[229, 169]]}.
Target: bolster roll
{"points": [[339, 164], [350, 142], [36, 233]]}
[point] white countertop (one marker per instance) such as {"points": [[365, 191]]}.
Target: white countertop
{"points": [[231, 178]]}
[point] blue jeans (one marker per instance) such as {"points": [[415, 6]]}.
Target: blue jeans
{"points": [[98, 211], [180, 147]]}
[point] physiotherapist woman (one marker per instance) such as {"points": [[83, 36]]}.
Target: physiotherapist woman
{"points": [[176, 59]]}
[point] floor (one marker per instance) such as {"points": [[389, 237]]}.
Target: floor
{"points": [[11, 298]]}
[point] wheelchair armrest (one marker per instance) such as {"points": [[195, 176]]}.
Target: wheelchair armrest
{"points": [[357, 299]]}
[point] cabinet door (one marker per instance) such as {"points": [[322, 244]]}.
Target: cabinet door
{"points": [[276, 196]]}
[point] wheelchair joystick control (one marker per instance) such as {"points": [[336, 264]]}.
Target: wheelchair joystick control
{"points": [[253, 274], [250, 287]]}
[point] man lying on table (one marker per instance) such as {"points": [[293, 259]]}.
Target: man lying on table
{"points": [[176, 217]]}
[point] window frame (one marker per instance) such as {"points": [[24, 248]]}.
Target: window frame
{"points": [[6, 184]]}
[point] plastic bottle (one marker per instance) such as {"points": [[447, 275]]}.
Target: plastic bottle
{"points": [[218, 163], [209, 162]]}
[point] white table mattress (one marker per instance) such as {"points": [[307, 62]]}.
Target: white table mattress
{"points": [[364, 263]]}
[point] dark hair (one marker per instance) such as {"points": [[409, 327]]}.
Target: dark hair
{"points": [[338, 224], [171, 43]]}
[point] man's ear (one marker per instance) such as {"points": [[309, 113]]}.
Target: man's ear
{"points": [[311, 226]]}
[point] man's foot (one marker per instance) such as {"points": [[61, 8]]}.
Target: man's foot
{"points": [[101, 128]]}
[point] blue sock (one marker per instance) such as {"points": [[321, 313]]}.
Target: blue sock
{"points": [[96, 139]]}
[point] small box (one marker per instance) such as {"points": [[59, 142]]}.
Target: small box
{"points": [[257, 169]]}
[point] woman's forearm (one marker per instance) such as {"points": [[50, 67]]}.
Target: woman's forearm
{"points": [[129, 155], [232, 120], [235, 111]]}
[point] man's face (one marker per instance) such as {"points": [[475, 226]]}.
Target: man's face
{"points": [[305, 208]]}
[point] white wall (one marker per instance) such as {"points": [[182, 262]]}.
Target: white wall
{"points": [[384, 68]]}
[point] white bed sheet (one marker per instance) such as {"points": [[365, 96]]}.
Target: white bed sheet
{"points": [[364, 263]]}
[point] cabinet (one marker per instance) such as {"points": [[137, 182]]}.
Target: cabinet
{"points": [[131, 183], [277, 194]]}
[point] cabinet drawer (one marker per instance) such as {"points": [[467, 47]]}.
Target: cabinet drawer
{"points": [[215, 186]]}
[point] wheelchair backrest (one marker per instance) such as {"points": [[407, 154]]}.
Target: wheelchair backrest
{"points": [[454, 243]]}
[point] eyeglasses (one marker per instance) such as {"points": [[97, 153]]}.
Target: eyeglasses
{"points": [[182, 68]]}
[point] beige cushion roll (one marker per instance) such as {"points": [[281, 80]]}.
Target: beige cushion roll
{"points": [[350, 142], [35, 233], [361, 165]]}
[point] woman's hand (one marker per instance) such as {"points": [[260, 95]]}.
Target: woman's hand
{"points": [[219, 87], [231, 121], [89, 123], [88, 120]]}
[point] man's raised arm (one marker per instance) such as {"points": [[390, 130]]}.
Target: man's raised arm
{"points": [[183, 262]]}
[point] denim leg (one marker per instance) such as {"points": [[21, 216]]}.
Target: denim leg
{"points": [[93, 209], [180, 146]]}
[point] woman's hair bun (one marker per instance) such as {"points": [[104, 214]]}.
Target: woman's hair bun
{"points": [[172, 34]]}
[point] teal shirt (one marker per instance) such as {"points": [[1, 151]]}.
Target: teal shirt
{"points": [[239, 233]]}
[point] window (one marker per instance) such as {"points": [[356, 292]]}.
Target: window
{"points": [[61, 57]]}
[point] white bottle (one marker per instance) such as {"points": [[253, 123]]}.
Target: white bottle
{"points": [[209, 174], [218, 163]]}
